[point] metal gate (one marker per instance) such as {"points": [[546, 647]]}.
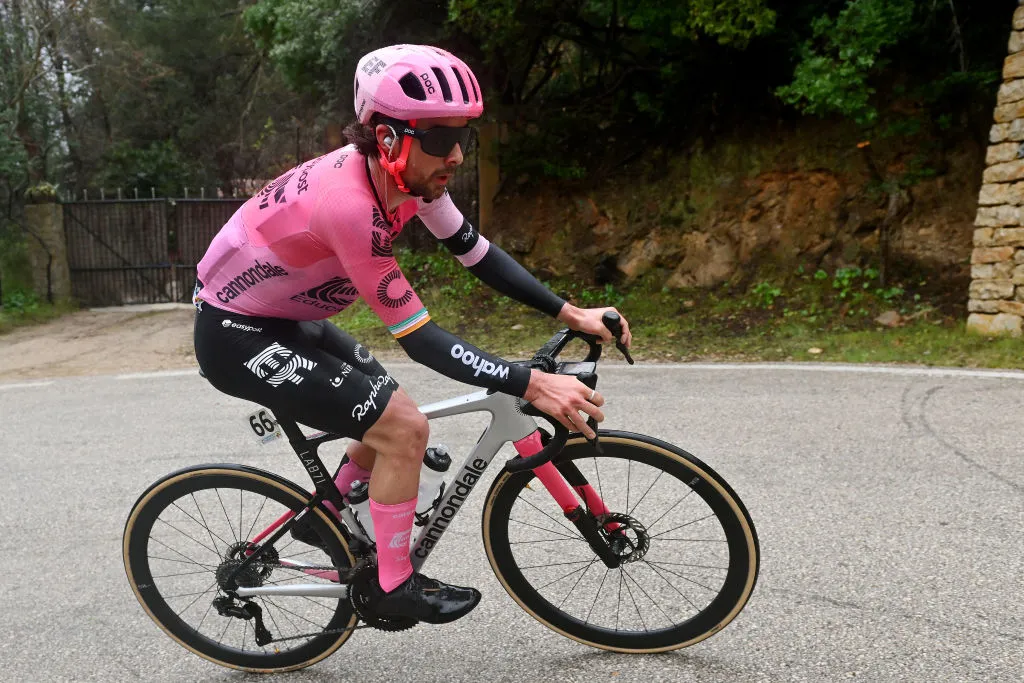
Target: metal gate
{"points": [[142, 250]]}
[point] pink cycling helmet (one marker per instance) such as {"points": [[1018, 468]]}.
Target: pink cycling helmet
{"points": [[411, 82]]}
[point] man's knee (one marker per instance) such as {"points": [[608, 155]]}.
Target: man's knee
{"points": [[402, 430]]}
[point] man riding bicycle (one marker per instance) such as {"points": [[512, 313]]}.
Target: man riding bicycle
{"points": [[317, 238]]}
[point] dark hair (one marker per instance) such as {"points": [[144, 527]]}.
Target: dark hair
{"points": [[363, 136]]}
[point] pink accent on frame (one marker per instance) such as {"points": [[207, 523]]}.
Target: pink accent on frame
{"points": [[548, 474]]}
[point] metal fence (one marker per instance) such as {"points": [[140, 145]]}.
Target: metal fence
{"points": [[139, 251], [130, 251]]}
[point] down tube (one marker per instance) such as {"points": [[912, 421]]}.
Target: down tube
{"points": [[507, 424], [455, 495]]}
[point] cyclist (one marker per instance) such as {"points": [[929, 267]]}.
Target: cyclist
{"points": [[318, 237]]}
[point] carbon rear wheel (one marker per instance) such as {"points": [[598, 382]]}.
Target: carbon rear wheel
{"points": [[688, 547], [189, 533]]}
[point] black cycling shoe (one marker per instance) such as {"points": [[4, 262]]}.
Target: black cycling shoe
{"points": [[425, 599]]}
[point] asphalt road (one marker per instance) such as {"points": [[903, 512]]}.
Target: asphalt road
{"points": [[889, 505]]}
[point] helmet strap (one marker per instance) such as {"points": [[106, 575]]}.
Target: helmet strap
{"points": [[397, 167]]}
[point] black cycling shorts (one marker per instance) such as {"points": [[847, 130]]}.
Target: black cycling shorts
{"points": [[311, 372]]}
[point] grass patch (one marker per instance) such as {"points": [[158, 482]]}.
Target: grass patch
{"points": [[800, 316], [24, 308]]}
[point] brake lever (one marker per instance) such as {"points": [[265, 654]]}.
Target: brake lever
{"points": [[613, 322], [590, 380], [592, 423]]}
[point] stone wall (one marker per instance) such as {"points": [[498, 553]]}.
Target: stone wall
{"points": [[996, 304], [47, 251]]}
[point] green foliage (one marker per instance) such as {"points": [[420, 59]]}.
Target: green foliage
{"points": [[437, 271], [765, 294], [20, 302], [842, 54], [599, 297], [160, 165], [307, 40], [13, 158], [41, 193], [732, 22]]}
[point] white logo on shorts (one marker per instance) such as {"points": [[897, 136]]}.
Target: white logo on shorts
{"points": [[360, 350], [371, 401], [346, 369], [278, 365]]}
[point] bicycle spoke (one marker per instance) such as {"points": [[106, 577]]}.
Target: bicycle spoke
{"points": [[687, 495], [200, 564], [580, 578], [210, 567], [318, 604], [187, 536], [689, 564], [294, 614], [685, 578], [256, 518], [240, 537], [199, 595], [547, 540], [199, 628], [270, 613], [641, 588], [708, 516], [672, 585], [203, 525], [635, 606], [550, 531], [618, 606], [555, 564], [597, 595], [227, 518], [597, 473], [295, 629], [225, 632], [562, 577], [630, 511], [557, 523], [698, 540], [169, 576], [629, 472]]}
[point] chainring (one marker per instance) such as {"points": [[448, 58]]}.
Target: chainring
{"points": [[360, 595]]}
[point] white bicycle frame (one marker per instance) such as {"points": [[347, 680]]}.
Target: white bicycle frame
{"points": [[507, 424]]}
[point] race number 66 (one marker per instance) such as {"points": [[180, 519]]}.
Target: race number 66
{"points": [[261, 423]]}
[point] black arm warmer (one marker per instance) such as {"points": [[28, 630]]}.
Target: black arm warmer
{"points": [[501, 272], [442, 351]]}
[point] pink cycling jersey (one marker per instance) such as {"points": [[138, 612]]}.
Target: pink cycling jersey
{"points": [[314, 240]]}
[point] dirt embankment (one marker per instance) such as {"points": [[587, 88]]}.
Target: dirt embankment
{"points": [[100, 342]]}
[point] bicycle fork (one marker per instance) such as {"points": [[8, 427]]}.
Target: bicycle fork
{"points": [[565, 494]]}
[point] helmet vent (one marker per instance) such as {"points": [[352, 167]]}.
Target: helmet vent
{"points": [[412, 87], [472, 82], [446, 90], [462, 86]]}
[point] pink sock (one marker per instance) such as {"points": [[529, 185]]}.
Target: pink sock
{"points": [[348, 473], [392, 525]]}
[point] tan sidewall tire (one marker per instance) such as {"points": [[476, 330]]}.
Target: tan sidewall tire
{"points": [[215, 471]]}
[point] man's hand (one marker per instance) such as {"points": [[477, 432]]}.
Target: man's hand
{"points": [[563, 397], [589, 320]]}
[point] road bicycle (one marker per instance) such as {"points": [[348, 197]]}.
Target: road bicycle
{"points": [[625, 543]]}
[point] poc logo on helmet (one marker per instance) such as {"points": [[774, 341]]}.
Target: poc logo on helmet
{"points": [[427, 83], [479, 364]]}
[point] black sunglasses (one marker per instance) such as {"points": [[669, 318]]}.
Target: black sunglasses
{"points": [[438, 141]]}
